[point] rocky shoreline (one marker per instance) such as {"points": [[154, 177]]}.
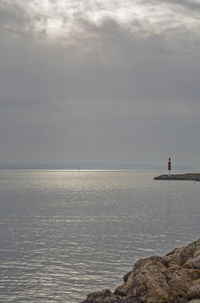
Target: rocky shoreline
{"points": [[173, 278], [186, 177]]}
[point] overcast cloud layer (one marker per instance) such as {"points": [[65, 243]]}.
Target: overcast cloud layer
{"points": [[100, 81]]}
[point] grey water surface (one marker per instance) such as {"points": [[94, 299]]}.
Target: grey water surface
{"points": [[66, 233]]}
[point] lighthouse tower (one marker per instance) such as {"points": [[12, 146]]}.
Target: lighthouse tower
{"points": [[169, 166]]}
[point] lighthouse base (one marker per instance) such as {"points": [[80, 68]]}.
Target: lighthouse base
{"points": [[184, 177]]}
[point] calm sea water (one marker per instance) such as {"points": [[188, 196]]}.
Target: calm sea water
{"points": [[65, 233]]}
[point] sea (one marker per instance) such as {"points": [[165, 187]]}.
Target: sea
{"points": [[64, 234]]}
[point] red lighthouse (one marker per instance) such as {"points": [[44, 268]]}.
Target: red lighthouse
{"points": [[169, 165]]}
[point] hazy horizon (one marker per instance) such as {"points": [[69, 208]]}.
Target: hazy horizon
{"points": [[92, 166]]}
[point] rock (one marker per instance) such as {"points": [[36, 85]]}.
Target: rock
{"points": [[100, 296], [188, 264], [194, 291], [174, 278], [181, 255], [147, 282], [106, 296], [196, 262], [184, 177], [125, 278], [179, 280], [197, 249]]}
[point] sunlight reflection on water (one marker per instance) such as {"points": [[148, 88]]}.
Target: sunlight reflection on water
{"points": [[64, 234]]}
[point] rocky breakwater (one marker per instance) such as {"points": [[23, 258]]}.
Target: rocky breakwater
{"points": [[174, 278], [186, 177]]}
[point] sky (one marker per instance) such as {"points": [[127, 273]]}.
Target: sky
{"points": [[103, 82]]}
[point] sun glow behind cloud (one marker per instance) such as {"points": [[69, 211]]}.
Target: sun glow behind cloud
{"points": [[60, 18]]}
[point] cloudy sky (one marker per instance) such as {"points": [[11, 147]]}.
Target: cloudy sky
{"points": [[100, 81]]}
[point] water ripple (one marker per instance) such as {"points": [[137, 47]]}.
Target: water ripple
{"points": [[64, 234]]}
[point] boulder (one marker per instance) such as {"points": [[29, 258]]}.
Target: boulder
{"points": [[147, 282], [194, 291], [181, 255], [106, 296], [100, 296], [196, 262], [174, 278]]}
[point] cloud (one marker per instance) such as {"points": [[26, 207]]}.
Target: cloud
{"points": [[61, 19], [193, 6], [98, 81]]}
